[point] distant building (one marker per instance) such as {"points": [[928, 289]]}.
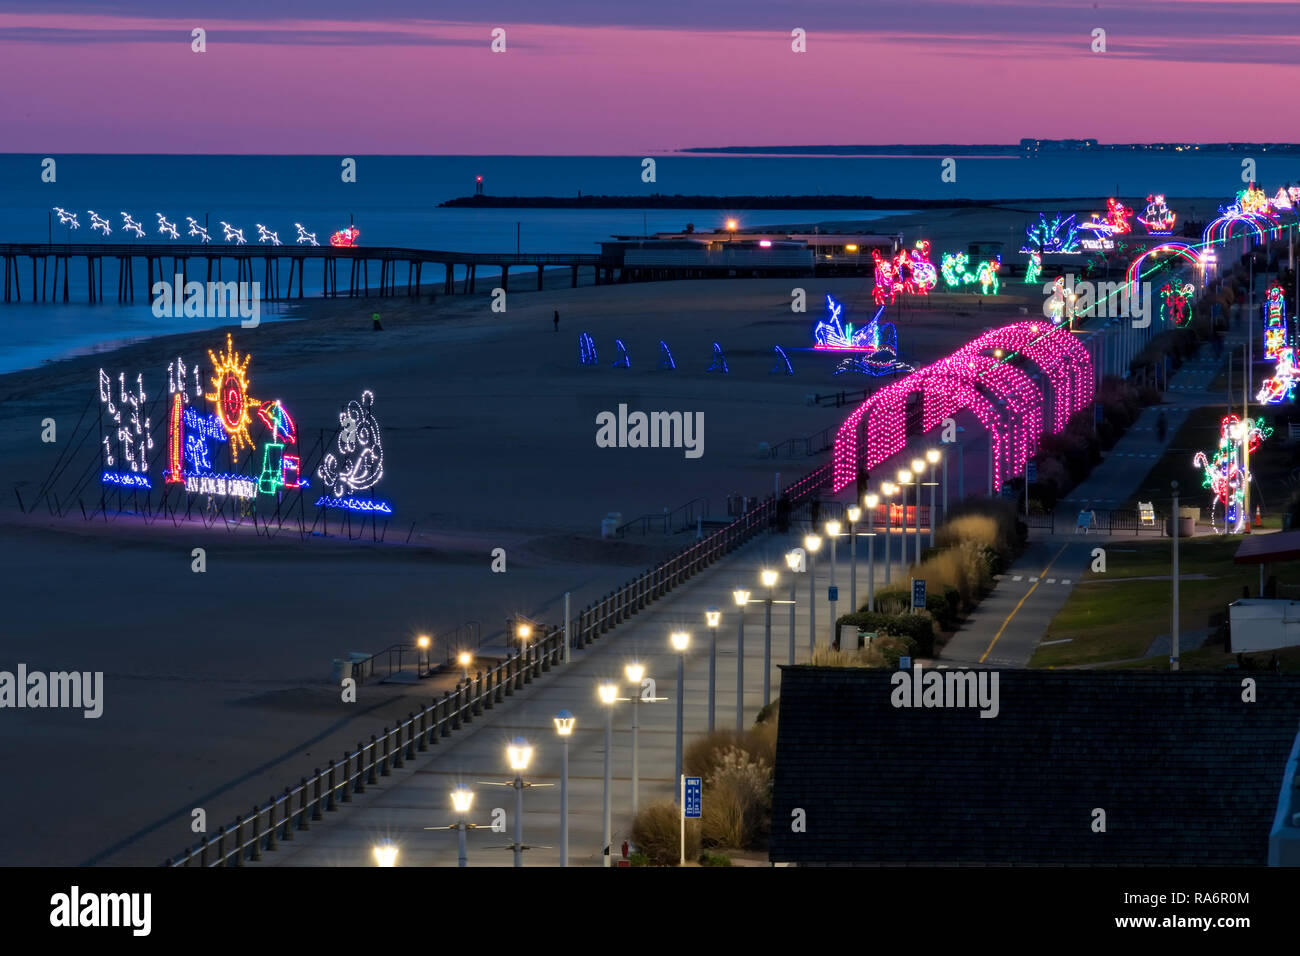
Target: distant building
{"points": [[1031, 146], [689, 253], [1100, 768]]}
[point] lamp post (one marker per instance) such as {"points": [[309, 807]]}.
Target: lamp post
{"points": [[519, 753], [634, 674], [608, 696], [461, 800], [714, 617], [889, 489], [1173, 624], [464, 659], [768, 577], [422, 642], [811, 544], [794, 560], [564, 722], [904, 479], [933, 456], [832, 593], [523, 673], [918, 466], [385, 852], [871, 499], [680, 641], [741, 597], [853, 513]]}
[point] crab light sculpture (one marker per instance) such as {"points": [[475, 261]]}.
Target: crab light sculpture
{"points": [[1225, 474]]}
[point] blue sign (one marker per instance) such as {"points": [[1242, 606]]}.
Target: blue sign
{"points": [[691, 803], [918, 592], [832, 593]]}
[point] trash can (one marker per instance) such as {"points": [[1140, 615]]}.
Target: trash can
{"points": [[342, 669], [1186, 526], [610, 523]]}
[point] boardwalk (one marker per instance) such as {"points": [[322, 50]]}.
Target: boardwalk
{"points": [[51, 265]]}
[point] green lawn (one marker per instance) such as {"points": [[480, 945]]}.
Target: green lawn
{"points": [[1116, 619]]}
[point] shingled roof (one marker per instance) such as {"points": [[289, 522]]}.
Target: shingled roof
{"points": [[1187, 773]]}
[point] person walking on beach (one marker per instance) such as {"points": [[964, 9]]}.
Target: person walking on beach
{"points": [[557, 320]]}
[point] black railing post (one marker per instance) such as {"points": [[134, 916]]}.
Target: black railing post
{"points": [[410, 736], [347, 775], [329, 805], [239, 843], [491, 679], [374, 761], [383, 766], [288, 815], [500, 672]]}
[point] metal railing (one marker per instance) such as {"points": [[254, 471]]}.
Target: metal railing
{"points": [[809, 445], [293, 811], [667, 522]]}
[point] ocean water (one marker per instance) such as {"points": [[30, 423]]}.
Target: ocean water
{"points": [[394, 202]]}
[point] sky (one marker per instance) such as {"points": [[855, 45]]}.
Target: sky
{"points": [[598, 77]]}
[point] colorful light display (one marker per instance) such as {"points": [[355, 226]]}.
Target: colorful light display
{"points": [[1058, 305], [1034, 269], [1221, 230], [1225, 474], [1181, 249], [197, 230], [359, 462], [624, 360], [1003, 398], [346, 237], [266, 235], [129, 433], [1275, 330], [987, 274], [1060, 234], [586, 350], [166, 228], [666, 356], [1176, 303], [355, 504], [232, 234], [230, 381], [1280, 387], [1118, 216], [99, 223], [279, 469], [1283, 199], [952, 266], [1254, 200], [781, 359], [719, 361], [886, 275], [305, 237], [872, 337], [1157, 218], [130, 225], [67, 218]]}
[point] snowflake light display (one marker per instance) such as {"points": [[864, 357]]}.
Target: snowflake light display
{"points": [[1225, 474], [127, 431], [1157, 218], [230, 395], [358, 462], [1060, 234]]}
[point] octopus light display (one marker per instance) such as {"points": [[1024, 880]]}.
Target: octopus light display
{"points": [[346, 237], [1225, 473], [357, 464], [1060, 234], [99, 223], [197, 230], [230, 395], [130, 225], [66, 218], [1034, 269], [1157, 218], [166, 228], [232, 234], [129, 432], [305, 237], [1176, 303]]}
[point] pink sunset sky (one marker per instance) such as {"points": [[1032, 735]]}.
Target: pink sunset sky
{"points": [[416, 78]]}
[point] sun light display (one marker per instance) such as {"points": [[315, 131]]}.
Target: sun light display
{"points": [[230, 379]]}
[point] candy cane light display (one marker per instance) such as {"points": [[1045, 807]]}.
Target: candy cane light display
{"points": [[1225, 473]]}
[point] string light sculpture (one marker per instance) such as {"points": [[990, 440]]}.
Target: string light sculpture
{"points": [[1182, 249], [835, 336], [1220, 230], [1176, 303], [886, 275], [1283, 198], [355, 504], [130, 225], [873, 365], [230, 395], [952, 266], [99, 223], [1117, 217], [1252, 199], [586, 350], [1275, 330], [178, 389], [166, 228], [278, 468], [129, 433], [1157, 218], [781, 359], [1060, 234], [666, 356], [624, 360], [232, 234], [67, 218], [358, 463], [221, 485], [719, 361], [1063, 360], [1034, 269], [987, 274], [924, 274], [197, 230], [266, 235], [305, 237], [1280, 387], [199, 430], [1225, 474], [346, 237]]}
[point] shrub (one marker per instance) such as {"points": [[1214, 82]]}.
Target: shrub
{"points": [[738, 800], [701, 756], [714, 859], [918, 628], [638, 859], [657, 833]]}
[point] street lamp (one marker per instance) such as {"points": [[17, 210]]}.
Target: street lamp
{"points": [[741, 597], [853, 513], [811, 544], [794, 560], [634, 674], [768, 577], [461, 801], [608, 697], [904, 479], [918, 466], [564, 722], [832, 593], [522, 673], [871, 499], [714, 617], [888, 489], [385, 852], [933, 456], [422, 642], [680, 641], [464, 659], [519, 754]]}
